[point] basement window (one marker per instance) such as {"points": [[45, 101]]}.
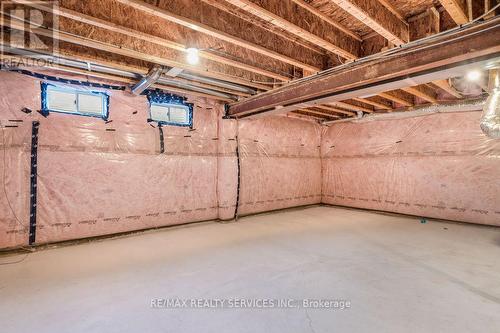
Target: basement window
{"points": [[171, 114], [74, 101]]}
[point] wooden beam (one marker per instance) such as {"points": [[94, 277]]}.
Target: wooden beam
{"points": [[456, 9], [224, 6], [425, 24], [321, 113], [374, 103], [87, 42], [441, 57], [203, 28], [350, 106], [266, 14], [378, 18], [445, 85], [422, 92], [310, 114], [327, 19], [70, 14], [392, 9], [397, 99], [333, 109]]}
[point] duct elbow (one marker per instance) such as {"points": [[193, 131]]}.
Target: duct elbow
{"points": [[490, 120]]}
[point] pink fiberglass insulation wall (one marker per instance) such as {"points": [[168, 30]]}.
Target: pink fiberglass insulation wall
{"points": [[97, 178], [279, 168], [439, 165]]}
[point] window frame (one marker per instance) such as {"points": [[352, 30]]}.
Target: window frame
{"points": [[186, 106], [47, 87]]}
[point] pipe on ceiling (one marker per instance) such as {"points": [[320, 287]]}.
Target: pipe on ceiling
{"points": [[148, 80], [114, 71]]}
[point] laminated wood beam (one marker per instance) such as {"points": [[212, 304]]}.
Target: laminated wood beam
{"points": [[206, 29], [377, 17]]}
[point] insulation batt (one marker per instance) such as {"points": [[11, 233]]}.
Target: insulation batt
{"points": [[97, 178], [439, 165]]}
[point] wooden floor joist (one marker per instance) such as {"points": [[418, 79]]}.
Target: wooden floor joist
{"points": [[352, 107], [73, 15], [327, 19], [281, 22], [321, 113], [396, 99], [336, 110], [443, 84], [62, 36], [456, 11], [422, 92], [378, 18], [373, 103], [226, 7], [203, 28]]}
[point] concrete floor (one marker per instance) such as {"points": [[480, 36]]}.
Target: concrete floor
{"points": [[398, 274]]}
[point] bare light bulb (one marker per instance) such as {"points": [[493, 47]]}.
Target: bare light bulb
{"points": [[473, 75], [192, 56]]}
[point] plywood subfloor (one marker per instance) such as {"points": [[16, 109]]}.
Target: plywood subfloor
{"points": [[399, 275]]}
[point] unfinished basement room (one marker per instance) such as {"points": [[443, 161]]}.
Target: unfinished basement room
{"points": [[249, 166]]}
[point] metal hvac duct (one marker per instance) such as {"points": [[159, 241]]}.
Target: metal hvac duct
{"points": [[147, 81]]}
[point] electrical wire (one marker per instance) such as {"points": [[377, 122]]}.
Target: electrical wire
{"points": [[4, 146]]}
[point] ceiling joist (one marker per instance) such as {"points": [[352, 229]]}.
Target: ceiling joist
{"points": [[344, 45], [87, 42], [445, 85], [378, 18], [327, 19], [73, 15], [395, 98], [206, 29], [422, 92], [456, 9]]}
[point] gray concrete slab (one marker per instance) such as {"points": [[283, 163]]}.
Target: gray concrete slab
{"points": [[399, 276]]}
